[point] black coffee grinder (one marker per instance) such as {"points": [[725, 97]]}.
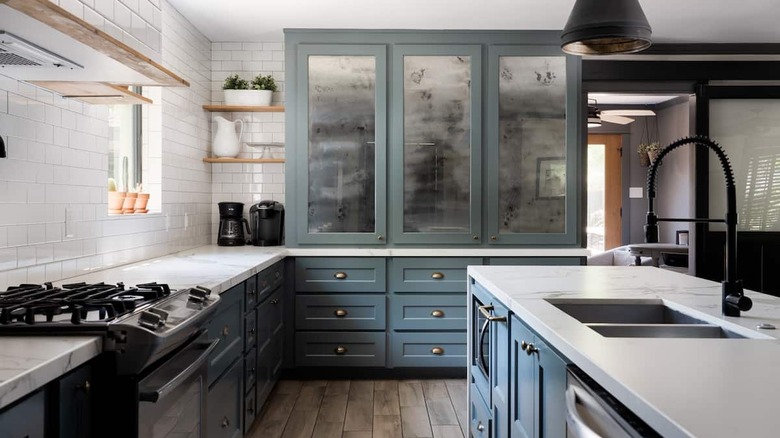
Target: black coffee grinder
{"points": [[232, 224]]}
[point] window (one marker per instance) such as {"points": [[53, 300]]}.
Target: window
{"points": [[125, 146]]}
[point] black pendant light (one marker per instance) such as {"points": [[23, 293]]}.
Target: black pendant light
{"points": [[606, 27]]}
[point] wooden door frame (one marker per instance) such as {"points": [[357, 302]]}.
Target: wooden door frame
{"points": [[612, 141]]}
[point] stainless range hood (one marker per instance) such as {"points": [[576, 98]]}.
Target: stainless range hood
{"points": [[18, 52]]}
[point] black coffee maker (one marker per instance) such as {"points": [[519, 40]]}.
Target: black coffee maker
{"points": [[232, 224], [267, 219]]}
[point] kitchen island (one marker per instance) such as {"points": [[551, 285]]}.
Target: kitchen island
{"points": [[681, 386]]}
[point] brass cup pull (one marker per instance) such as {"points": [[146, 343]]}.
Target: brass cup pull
{"points": [[437, 275], [225, 422], [341, 350], [475, 237], [493, 238], [340, 275], [225, 331], [437, 351], [437, 314], [340, 313]]}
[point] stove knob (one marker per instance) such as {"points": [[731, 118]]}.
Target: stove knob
{"points": [[152, 318], [199, 294]]}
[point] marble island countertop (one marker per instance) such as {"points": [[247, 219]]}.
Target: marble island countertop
{"points": [[681, 387]]}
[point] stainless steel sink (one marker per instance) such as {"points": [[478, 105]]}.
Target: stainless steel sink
{"points": [[622, 311], [663, 331], [643, 318]]}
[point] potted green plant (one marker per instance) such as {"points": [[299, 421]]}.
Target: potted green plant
{"points": [[237, 91], [266, 85]]}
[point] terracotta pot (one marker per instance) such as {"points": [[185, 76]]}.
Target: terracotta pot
{"points": [[140, 203], [129, 205], [115, 202]]}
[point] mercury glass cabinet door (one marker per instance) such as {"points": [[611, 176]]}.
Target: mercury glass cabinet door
{"points": [[341, 123], [533, 132], [436, 144]]}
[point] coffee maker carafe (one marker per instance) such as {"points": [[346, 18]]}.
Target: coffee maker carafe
{"points": [[267, 218], [232, 224]]}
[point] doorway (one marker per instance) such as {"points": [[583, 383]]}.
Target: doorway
{"points": [[604, 229]]}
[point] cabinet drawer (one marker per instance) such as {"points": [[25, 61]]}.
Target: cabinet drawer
{"points": [[355, 349], [428, 312], [224, 405], [340, 312], [250, 370], [227, 325], [250, 329], [340, 274], [250, 409], [430, 274], [429, 350], [25, 418], [480, 421], [539, 261]]}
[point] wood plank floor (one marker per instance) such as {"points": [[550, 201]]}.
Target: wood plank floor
{"points": [[364, 409]]}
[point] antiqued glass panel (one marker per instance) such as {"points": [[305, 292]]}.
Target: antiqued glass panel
{"points": [[341, 160], [437, 144], [532, 144]]}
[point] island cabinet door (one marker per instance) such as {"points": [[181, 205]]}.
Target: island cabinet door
{"points": [[499, 378], [522, 392], [551, 389], [532, 132]]}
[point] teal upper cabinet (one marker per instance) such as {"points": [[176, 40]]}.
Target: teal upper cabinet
{"points": [[432, 138], [435, 143], [340, 119], [532, 135]]}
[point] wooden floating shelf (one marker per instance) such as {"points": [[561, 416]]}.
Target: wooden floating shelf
{"points": [[244, 109], [243, 160]]}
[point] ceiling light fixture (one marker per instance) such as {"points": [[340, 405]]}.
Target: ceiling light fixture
{"points": [[606, 27]]}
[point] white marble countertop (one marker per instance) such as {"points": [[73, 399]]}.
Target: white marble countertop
{"points": [[681, 387], [27, 363]]}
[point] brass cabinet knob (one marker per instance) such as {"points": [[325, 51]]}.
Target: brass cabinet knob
{"points": [[437, 313], [380, 237], [225, 422], [340, 313], [528, 348], [437, 351], [493, 238], [275, 301], [475, 237], [480, 427], [340, 275], [225, 330], [437, 275], [86, 386], [341, 350]]}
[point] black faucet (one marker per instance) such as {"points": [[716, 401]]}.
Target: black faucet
{"points": [[734, 299]]}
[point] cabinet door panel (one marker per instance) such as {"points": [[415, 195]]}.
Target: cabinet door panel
{"points": [[499, 374], [437, 143], [552, 389], [342, 123], [522, 409], [532, 133]]}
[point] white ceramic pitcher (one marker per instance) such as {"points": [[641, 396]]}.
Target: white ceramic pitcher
{"points": [[226, 142]]}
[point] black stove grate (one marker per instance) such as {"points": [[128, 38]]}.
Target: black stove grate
{"points": [[77, 303]]}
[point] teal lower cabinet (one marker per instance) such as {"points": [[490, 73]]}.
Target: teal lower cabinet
{"points": [[340, 349], [429, 349], [224, 401], [537, 385], [480, 418]]}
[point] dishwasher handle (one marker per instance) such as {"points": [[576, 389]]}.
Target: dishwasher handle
{"points": [[578, 427]]}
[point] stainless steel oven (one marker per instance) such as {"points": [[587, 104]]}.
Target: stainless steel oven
{"points": [[172, 397]]}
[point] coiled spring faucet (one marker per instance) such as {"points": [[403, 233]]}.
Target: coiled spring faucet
{"points": [[734, 299]]}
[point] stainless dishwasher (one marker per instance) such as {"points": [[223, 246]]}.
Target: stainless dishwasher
{"points": [[591, 412]]}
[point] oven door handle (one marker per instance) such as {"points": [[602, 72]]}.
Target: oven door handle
{"points": [[155, 395], [480, 345], [485, 311]]}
